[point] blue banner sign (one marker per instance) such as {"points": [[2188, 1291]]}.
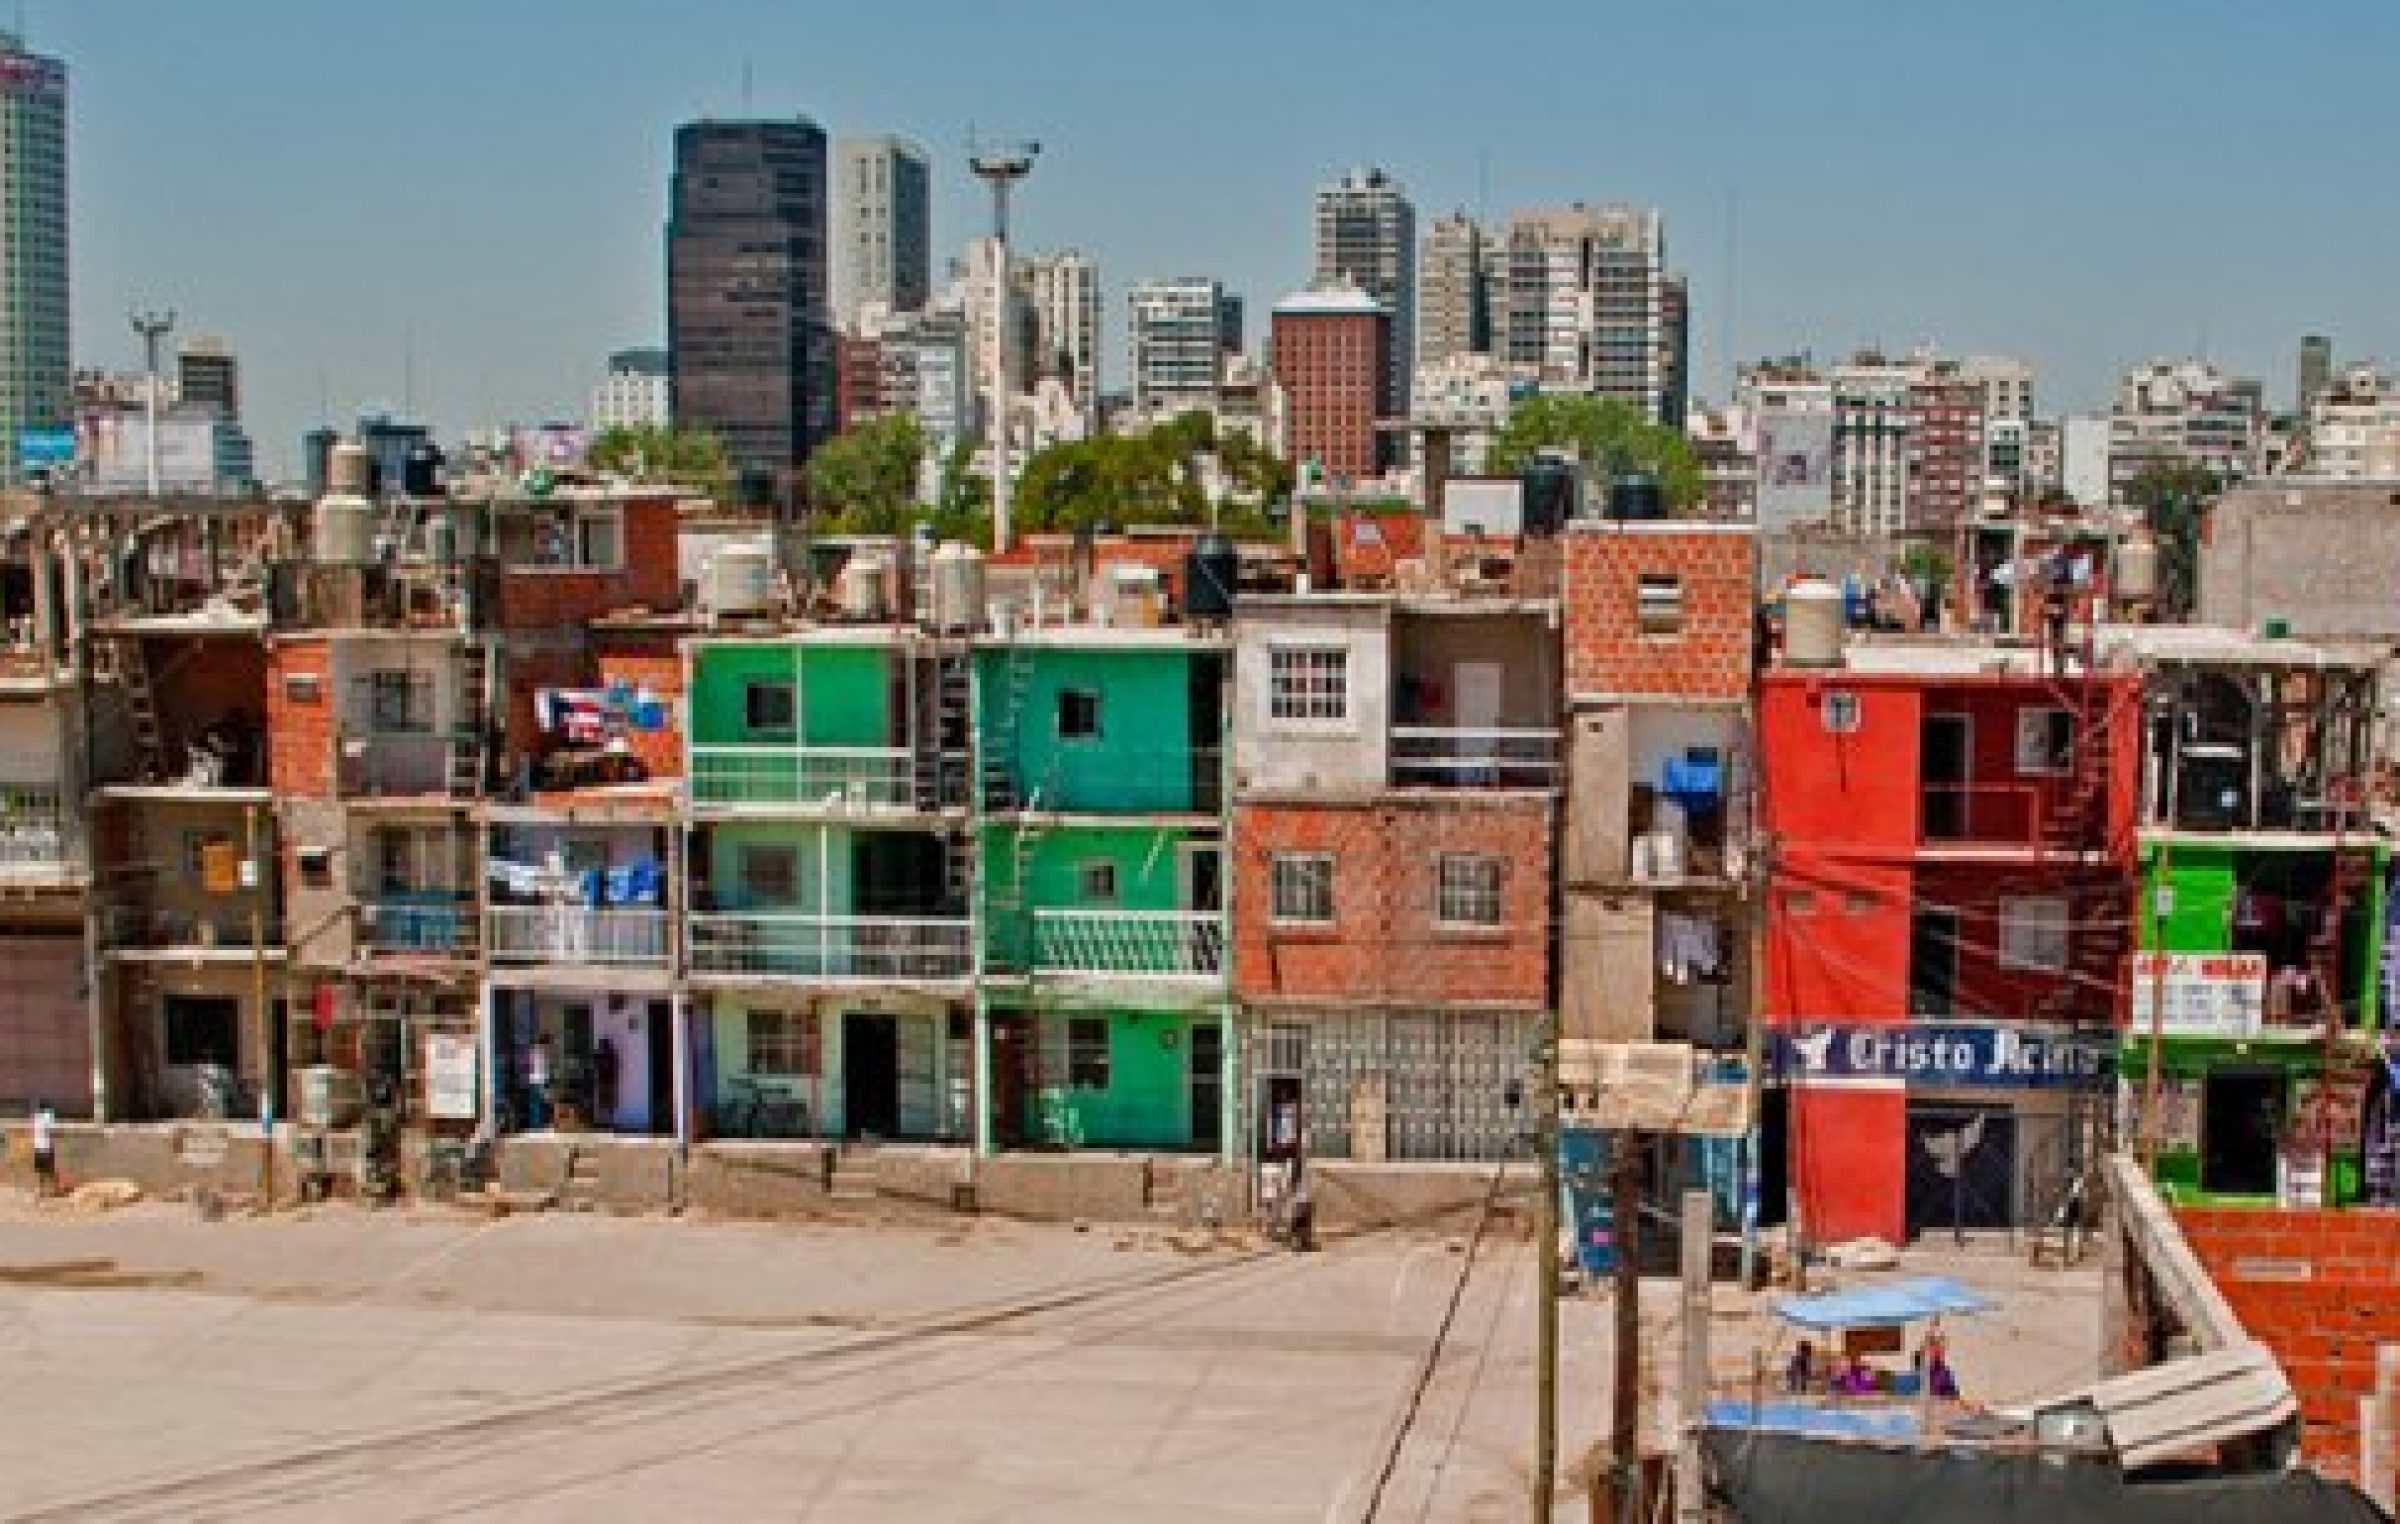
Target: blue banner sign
{"points": [[1938, 1055], [46, 447]]}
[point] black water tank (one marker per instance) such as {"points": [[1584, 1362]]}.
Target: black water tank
{"points": [[1636, 495], [1210, 572], [421, 472], [1548, 485]]}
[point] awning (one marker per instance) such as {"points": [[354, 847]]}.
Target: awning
{"points": [[1892, 1306]]}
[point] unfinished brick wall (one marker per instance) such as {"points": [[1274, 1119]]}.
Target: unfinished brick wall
{"points": [[649, 661], [1384, 942], [567, 600], [301, 722], [1608, 652], [2320, 1289]]}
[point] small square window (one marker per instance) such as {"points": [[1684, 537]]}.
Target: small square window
{"points": [[2045, 741], [770, 875], [770, 709], [1301, 888], [1661, 604], [782, 1042], [1308, 683], [316, 867], [1078, 714], [1096, 883], [1469, 890], [2033, 933]]}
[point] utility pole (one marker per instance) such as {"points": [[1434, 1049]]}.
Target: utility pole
{"points": [[153, 326], [253, 877], [1000, 166], [1545, 1248], [1623, 1495]]}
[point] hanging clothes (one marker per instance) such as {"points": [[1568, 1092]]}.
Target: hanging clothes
{"points": [[1688, 948]]}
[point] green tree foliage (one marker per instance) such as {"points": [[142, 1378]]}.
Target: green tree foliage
{"points": [[2174, 497], [865, 481], [1156, 477], [1608, 435], [658, 453]]}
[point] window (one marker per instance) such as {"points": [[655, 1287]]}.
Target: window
{"points": [[399, 702], [1096, 883], [769, 874], [1301, 888], [782, 1042], [1078, 714], [1087, 1052], [2045, 741], [1308, 683], [1469, 890], [203, 1029], [316, 867], [196, 856], [413, 860], [1659, 604], [769, 709], [2033, 933], [600, 540]]}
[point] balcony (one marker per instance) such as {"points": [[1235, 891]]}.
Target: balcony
{"points": [[1130, 944], [139, 930], [2000, 817], [430, 925], [1458, 757], [832, 948], [400, 764], [816, 777], [629, 937], [33, 832], [1098, 779]]}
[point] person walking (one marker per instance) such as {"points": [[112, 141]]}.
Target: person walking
{"points": [[45, 1150]]}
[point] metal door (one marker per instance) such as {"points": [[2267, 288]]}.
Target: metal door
{"points": [[1962, 1168]]}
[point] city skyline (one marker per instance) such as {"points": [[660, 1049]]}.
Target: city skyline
{"points": [[353, 264]]}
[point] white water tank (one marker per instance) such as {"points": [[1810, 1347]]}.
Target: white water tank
{"points": [[1813, 624], [2134, 575], [858, 589], [957, 587], [1136, 596], [344, 529], [349, 469], [740, 580]]}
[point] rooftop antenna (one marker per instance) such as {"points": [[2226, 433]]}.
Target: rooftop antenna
{"points": [[1000, 165], [153, 325]]}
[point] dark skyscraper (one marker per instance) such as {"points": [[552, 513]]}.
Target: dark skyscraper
{"points": [[749, 327]]}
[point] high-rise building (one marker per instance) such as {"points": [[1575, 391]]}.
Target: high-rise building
{"points": [[1674, 351], [209, 375], [34, 369], [749, 335], [2187, 412], [1946, 445], [1367, 237], [1455, 290], [1587, 301], [1177, 339], [635, 392], [1331, 347], [2353, 426], [882, 227], [1872, 415], [1063, 290], [2316, 369]]}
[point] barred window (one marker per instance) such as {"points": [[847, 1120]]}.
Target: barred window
{"points": [[1309, 683], [1470, 890], [1301, 888], [782, 1042], [1087, 1052], [2033, 933]]}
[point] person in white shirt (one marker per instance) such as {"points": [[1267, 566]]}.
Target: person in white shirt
{"points": [[45, 1149]]}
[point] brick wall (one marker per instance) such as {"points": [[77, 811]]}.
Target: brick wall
{"points": [[565, 600], [649, 661], [1607, 652], [2320, 1289], [300, 730], [1384, 943]]}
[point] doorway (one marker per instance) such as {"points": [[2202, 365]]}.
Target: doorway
{"points": [[1932, 962], [2241, 1129], [1944, 745], [1200, 869], [1207, 1048], [1012, 1048], [1962, 1168], [870, 1076], [659, 1035]]}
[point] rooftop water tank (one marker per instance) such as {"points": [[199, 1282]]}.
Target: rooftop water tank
{"points": [[1211, 571], [421, 472], [349, 468], [2134, 573], [859, 588], [1813, 624], [1549, 489], [343, 533], [1637, 495], [740, 580], [957, 587]]}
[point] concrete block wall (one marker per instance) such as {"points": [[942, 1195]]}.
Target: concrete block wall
{"points": [[1608, 655]]}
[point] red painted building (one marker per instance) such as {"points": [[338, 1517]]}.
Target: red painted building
{"points": [[1331, 352], [1952, 830]]}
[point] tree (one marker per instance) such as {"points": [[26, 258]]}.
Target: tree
{"points": [[865, 481], [2174, 497], [650, 452], [1610, 436]]}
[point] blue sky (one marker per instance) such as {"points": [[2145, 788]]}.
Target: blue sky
{"points": [[336, 187]]}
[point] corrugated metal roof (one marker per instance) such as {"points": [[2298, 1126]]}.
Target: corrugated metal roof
{"points": [[2167, 1411]]}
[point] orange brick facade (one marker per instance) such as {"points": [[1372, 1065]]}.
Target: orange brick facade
{"points": [[1384, 944], [649, 661], [1608, 652], [303, 713], [564, 600]]}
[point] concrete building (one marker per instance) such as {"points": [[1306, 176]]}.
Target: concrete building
{"points": [[1675, 351], [1175, 335], [2184, 412], [636, 393], [1458, 287], [1366, 236], [34, 358], [1063, 292], [1728, 464], [749, 315], [1586, 303], [1947, 446], [2083, 450], [209, 375], [1873, 418], [1330, 348], [882, 227], [2316, 369], [1467, 397], [2351, 428]]}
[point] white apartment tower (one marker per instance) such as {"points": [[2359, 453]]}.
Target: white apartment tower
{"points": [[1177, 331], [1587, 302], [1455, 291], [1063, 291], [882, 227], [34, 368], [1367, 237], [634, 393]]}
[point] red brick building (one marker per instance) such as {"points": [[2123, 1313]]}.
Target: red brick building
{"points": [[1946, 462], [1953, 836], [1330, 351]]}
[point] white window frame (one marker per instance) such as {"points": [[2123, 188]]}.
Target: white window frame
{"points": [[1658, 603], [791, 1043], [1308, 684], [2033, 742], [2036, 933], [1291, 875], [752, 688], [1466, 885]]}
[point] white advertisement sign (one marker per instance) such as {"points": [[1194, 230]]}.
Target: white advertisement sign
{"points": [[2205, 994], [450, 1072]]}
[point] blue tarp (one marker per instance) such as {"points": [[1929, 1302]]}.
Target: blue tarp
{"points": [[1812, 1418], [1901, 1302]]}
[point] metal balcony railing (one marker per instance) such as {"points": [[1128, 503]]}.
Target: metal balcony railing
{"points": [[1461, 757], [2028, 817], [436, 926], [1099, 778], [33, 833], [830, 777], [1144, 944], [798, 945], [398, 764], [575, 934]]}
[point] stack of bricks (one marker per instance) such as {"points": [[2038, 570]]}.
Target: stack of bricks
{"points": [[1707, 658], [2321, 1290]]}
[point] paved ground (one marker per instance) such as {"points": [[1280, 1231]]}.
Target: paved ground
{"points": [[415, 1365]]}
